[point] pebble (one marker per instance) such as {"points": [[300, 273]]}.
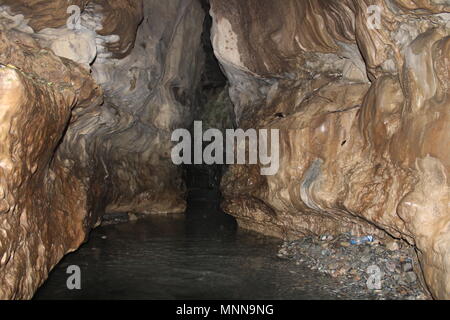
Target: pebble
{"points": [[392, 245], [132, 217], [349, 264], [411, 277], [365, 259], [390, 266], [407, 267]]}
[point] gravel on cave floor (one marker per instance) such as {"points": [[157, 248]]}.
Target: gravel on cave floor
{"points": [[348, 264], [359, 267]]}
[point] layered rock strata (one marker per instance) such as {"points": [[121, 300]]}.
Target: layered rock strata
{"points": [[360, 92], [90, 92]]}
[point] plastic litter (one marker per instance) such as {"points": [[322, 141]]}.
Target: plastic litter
{"points": [[361, 240]]}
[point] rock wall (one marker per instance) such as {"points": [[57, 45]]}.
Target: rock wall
{"points": [[86, 114], [89, 98], [363, 109]]}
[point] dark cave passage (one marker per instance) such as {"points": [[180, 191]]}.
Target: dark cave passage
{"points": [[201, 254], [95, 93], [202, 180]]}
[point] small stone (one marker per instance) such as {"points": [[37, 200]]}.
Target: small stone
{"points": [[345, 244], [411, 277], [421, 297], [104, 237], [378, 291], [390, 266], [402, 291], [407, 267], [342, 271], [379, 250], [402, 283], [132, 217], [333, 266], [392, 245]]}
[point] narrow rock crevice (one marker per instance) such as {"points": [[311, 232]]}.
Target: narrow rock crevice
{"points": [[92, 90]]}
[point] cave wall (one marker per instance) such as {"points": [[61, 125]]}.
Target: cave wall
{"points": [[86, 116], [363, 115], [86, 119]]}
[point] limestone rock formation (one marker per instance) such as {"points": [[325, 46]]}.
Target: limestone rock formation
{"points": [[88, 104], [44, 206], [91, 90], [365, 134]]}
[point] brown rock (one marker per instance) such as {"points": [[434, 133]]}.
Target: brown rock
{"points": [[351, 150], [363, 115], [72, 149], [392, 245]]}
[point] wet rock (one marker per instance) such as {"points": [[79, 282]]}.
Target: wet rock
{"points": [[114, 218], [47, 198], [392, 246], [86, 122], [132, 217], [411, 277], [353, 265], [365, 258], [364, 126], [390, 266], [359, 152], [407, 267]]}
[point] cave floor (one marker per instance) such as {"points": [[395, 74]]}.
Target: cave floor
{"points": [[200, 255]]}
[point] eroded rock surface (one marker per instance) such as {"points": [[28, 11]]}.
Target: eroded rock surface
{"points": [[87, 111], [89, 98], [365, 127]]}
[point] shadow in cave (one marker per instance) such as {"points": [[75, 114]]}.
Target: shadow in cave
{"points": [[204, 216], [203, 181], [199, 255]]}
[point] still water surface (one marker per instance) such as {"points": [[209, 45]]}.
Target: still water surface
{"points": [[201, 255]]}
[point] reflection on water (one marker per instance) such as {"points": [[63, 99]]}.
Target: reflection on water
{"points": [[198, 256]]}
